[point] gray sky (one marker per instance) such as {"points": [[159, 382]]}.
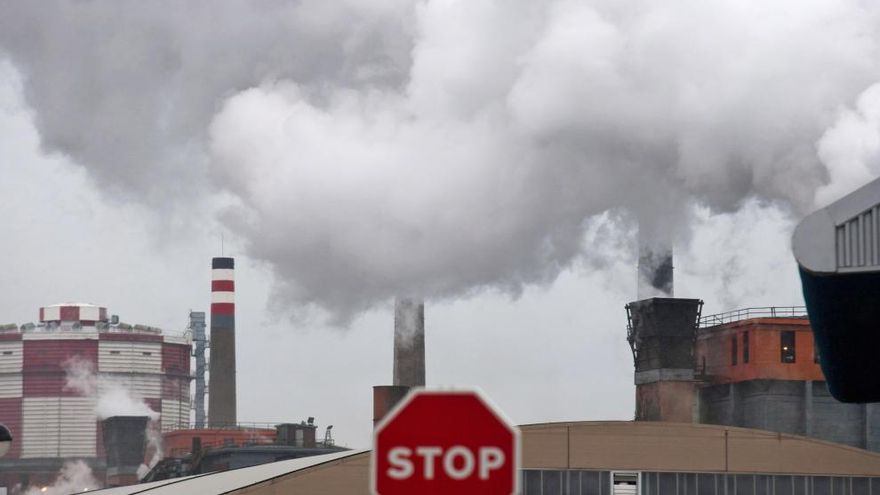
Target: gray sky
{"points": [[491, 156]]}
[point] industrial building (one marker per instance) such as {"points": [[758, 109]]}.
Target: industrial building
{"points": [[53, 419], [753, 368], [596, 458]]}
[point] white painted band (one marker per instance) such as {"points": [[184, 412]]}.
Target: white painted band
{"points": [[223, 297], [222, 274]]}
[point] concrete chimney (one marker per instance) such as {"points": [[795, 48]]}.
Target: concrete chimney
{"points": [[221, 387], [661, 333], [409, 342], [124, 442]]}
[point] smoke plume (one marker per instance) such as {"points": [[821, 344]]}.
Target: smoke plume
{"points": [[112, 396], [366, 149], [74, 477]]}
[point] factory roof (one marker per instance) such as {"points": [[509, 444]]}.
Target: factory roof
{"points": [[599, 445], [232, 480]]}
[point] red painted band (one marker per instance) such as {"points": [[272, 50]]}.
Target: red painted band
{"points": [[223, 286], [223, 308]]}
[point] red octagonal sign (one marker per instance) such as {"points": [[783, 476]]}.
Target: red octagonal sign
{"points": [[443, 442]]}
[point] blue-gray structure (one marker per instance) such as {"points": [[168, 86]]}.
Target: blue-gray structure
{"points": [[789, 406], [587, 482]]}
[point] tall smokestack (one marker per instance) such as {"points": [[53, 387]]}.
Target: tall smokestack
{"points": [[221, 387], [409, 342]]}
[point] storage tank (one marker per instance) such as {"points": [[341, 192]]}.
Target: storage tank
{"points": [[53, 419]]}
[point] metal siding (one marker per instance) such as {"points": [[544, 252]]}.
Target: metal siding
{"points": [[10, 356], [10, 386], [175, 415], [175, 339], [58, 427], [70, 313], [134, 357], [175, 358], [88, 313], [46, 384], [10, 415], [65, 335], [141, 386], [175, 388], [50, 314]]}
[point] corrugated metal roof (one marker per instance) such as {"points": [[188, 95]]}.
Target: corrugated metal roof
{"points": [[227, 481]]}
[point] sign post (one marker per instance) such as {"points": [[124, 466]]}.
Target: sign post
{"points": [[445, 441]]}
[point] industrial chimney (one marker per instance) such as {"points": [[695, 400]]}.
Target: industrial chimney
{"points": [[409, 342], [661, 334], [409, 356], [124, 441], [221, 387]]}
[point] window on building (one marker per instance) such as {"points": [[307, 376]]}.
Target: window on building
{"points": [[786, 340], [734, 352], [745, 347]]}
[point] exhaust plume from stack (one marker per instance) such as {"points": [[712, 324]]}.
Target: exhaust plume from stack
{"points": [[450, 174], [221, 387], [409, 342]]}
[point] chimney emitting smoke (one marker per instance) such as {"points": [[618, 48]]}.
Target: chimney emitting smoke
{"points": [[409, 342]]}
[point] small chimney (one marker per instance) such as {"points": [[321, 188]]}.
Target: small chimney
{"points": [[409, 342], [124, 442]]}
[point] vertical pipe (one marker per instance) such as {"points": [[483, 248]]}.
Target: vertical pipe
{"points": [[197, 325], [221, 396], [409, 342]]}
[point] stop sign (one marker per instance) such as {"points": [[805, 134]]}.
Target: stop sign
{"points": [[442, 441]]}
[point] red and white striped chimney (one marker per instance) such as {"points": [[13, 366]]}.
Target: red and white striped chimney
{"points": [[221, 387]]}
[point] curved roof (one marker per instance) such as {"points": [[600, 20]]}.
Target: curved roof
{"points": [[687, 447]]}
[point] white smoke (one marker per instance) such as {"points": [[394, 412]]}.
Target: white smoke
{"points": [[154, 450], [851, 147], [444, 147], [74, 477], [112, 396]]}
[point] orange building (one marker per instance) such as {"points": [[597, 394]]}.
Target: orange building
{"points": [[753, 368]]}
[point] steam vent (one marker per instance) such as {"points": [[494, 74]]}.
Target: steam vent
{"points": [[221, 387]]}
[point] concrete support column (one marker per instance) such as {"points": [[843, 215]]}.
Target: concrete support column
{"points": [[731, 405], [866, 424], [808, 408]]}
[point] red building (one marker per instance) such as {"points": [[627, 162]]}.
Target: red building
{"points": [[57, 375]]}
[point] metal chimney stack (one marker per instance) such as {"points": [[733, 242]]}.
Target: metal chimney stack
{"points": [[409, 342], [221, 387]]}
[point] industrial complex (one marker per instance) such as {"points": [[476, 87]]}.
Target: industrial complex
{"points": [[81, 385], [726, 404]]}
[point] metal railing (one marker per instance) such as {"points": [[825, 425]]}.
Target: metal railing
{"points": [[748, 313]]}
